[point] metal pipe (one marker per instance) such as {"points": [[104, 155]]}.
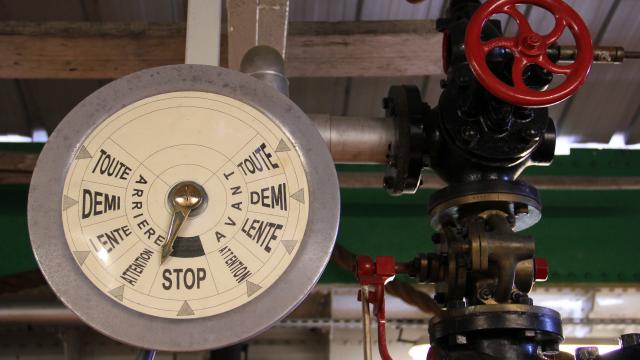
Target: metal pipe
{"points": [[366, 323], [601, 54], [37, 312], [265, 63], [253, 23], [353, 139]]}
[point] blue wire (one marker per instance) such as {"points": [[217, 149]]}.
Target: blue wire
{"points": [[149, 355]]}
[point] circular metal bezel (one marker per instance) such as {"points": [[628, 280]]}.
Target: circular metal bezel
{"points": [[132, 327]]}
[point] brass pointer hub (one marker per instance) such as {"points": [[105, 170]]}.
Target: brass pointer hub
{"points": [[184, 198]]}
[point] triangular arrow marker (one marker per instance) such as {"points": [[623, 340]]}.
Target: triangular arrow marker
{"points": [[185, 309], [81, 256], [289, 245], [83, 153], [282, 146], [118, 292], [299, 195], [252, 288], [67, 202]]}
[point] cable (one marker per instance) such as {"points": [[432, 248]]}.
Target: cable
{"points": [[149, 355]]}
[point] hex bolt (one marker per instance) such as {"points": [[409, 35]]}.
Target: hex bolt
{"points": [[533, 41], [485, 294], [550, 348], [521, 298], [587, 353], [456, 304], [531, 134], [463, 79], [469, 134], [461, 339], [523, 114], [500, 115]]}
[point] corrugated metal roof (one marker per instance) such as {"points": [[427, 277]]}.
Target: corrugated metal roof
{"points": [[609, 102]]}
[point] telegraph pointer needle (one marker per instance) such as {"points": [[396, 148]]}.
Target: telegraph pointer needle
{"points": [[184, 198]]}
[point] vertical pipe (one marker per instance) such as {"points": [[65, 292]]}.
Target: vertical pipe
{"points": [[366, 323], [265, 63]]}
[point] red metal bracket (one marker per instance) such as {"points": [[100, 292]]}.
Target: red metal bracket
{"points": [[376, 275]]}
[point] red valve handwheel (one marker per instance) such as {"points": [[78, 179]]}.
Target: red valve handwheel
{"points": [[528, 47]]}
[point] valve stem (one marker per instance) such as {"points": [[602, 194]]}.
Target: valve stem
{"points": [[601, 54]]}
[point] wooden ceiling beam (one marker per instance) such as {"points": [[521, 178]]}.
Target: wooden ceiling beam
{"points": [[63, 50]]}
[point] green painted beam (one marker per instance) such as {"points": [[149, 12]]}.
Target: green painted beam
{"points": [[15, 250], [587, 236], [24, 147]]}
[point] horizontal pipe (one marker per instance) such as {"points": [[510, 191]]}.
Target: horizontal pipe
{"points": [[21, 311], [356, 140], [37, 312], [352, 139], [601, 54]]}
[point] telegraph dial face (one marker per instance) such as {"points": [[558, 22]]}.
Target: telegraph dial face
{"points": [[117, 210], [104, 201]]}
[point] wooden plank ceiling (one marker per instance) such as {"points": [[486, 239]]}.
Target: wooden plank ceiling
{"points": [[609, 103], [98, 50]]}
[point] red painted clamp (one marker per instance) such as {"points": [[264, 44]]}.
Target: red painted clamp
{"points": [[529, 47], [376, 275]]}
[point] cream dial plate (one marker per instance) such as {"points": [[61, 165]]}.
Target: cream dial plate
{"points": [[116, 211]]}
